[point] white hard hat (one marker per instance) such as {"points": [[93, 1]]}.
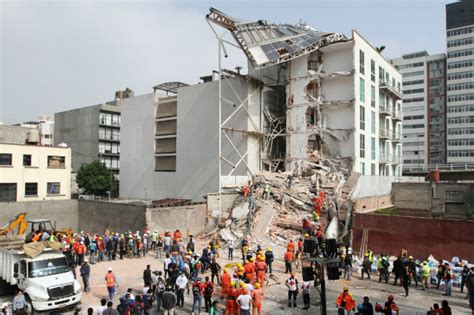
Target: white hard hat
{"points": [[110, 269]]}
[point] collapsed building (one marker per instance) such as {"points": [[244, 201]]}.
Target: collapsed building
{"points": [[308, 96]]}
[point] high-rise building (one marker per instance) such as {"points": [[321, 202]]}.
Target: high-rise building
{"points": [[460, 81], [424, 108]]}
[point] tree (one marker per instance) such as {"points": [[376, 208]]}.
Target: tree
{"points": [[95, 179]]}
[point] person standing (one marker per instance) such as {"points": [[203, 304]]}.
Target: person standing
{"points": [[111, 283], [214, 267], [448, 279], [85, 271], [181, 284], [288, 261], [425, 275], [225, 283], [464, 276], [244, 301], [147, 277], [398, 269], [169, 301], [348, 266], [446, 308], [367, 307], [470, 288], [269, 259], [406, 278], [208, 290], [257, 299], [110, 309], [230, 249], [19, 303], [197, 296], [102, 307], [345, 301], [306, 288], [292, 285], [366, 265]]}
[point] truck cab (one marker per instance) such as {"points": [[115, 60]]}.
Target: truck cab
{"points": [[47, 281]]}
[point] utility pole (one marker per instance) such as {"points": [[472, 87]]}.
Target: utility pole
{"points": [[323, 291]]}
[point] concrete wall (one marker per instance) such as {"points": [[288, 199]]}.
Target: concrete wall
{"points": [[416, 196], [96, 216], [189, 219], [13, 134], [197, 143], [369, 204], [368, 185], [420, 236], [64, 212], [79, 128]]}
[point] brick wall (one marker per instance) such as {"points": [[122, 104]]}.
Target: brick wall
{"points": [[420, 236], [369, 204], [411, 196], [188, 219]]}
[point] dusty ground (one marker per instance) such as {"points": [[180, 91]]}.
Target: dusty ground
{"points": [[129, 274]]}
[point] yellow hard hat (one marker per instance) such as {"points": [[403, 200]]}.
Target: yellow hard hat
{"points": [[251, 259], [257, 285], [239, 265], [268, 249], [232, 283], [225, 269], [190, 252], [247, 261], [242, 284], [306, 235], [346, 288], [411, 257]]}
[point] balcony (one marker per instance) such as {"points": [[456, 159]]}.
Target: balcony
{"points": [[396, 159], [397, 137], [384, 110], [387, 87], [109, 123], [385, 158], [397, 116], [384, 134]]}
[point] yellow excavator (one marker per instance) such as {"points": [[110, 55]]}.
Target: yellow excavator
{"points": [[18, 222]]}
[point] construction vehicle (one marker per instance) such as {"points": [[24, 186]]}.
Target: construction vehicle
{"points": [[45, 277], [40, 224], [19, 221]]}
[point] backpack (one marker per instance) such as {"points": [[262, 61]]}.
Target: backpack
{"points": [[137, 309], [385, 263], [196, 290], [208, 290]]}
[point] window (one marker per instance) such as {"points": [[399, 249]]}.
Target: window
{"points": [[453, 196], [372, 148], [5, 159], [7, 192], [55, 161], [362, 62], [372, 70], [372, 122], [53, 188], [26, 160], [362, 117], [31, 189], [362, 145], [381, 74], [372, 96], [372, 169], [413, 91], [362, 168], [362, 90]]}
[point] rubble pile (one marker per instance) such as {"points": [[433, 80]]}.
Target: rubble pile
{"points": [[291, 203]]}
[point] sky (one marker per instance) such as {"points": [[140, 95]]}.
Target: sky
{"points": [[59, 55]]}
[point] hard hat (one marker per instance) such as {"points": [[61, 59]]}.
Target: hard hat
{"points": [[225, 269], [190, 252], [232, 283], [242, 284], [110, 269], [268, 249], [411, 257], [82, 243], [257, 285], [306, 235], [346, 288], [366, 255], [239, 265], [251, 259]]}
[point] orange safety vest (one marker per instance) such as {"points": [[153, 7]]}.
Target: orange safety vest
{"points": [[110, 279]]}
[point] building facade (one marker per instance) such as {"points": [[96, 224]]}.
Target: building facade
{"points": [[424, 109], [92, 133], [45, 126], [33, 172], [460, 81]]}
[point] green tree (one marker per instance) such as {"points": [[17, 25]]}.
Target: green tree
{"points": [[94, 178]]}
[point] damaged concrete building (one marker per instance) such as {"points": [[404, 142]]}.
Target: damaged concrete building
{"points": [[308, 95]]}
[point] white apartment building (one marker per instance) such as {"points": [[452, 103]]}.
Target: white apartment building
{"points": [[33, 172], [424, 108], [460, 54], [45, 126]]}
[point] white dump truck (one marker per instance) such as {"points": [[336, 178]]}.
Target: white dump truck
{"points": [[46, 279]]}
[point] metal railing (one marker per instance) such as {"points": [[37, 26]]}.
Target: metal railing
{"points": [[439, 167], [397, 115], [385, 133]]}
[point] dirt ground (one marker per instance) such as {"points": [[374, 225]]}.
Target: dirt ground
{"points": [[129, 275]]}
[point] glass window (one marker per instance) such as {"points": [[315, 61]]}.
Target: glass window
{"points": [[56, 161], [372, 148], [362, 168], [7, 192], [53, 188], [372, 169], [372, 122], [31, 189], [372, 96], [26, 159], [362, 117], [362, 62], [5, 159], [362, 90], [362, 145], [372, 70]]}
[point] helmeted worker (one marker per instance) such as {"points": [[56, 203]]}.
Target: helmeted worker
{"points": [[261, 271], [257, 297], [288, 261], [290, 247], [249, 271], [345, 301], [231, 305], [225, 283], [425, 275], [111, 283], [269, 258]]}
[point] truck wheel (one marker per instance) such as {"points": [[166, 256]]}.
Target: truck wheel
{"points": [[29, 306]]}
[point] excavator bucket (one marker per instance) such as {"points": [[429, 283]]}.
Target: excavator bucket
{"points": [[19, 222]]}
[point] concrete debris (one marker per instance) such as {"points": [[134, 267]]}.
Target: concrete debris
{"points": [[240, 211]]}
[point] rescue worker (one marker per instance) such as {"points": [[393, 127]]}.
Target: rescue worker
{"points": [[425, 275], [406, 278], [249, 271], [225, 283], [292, 285], [85, 271], [288, 261], [257, 297], [261, 271], [290, 247], [448, 279], [345, 301], [231, 307], [366, 265], [398, 269], [111, 283], [269, 259], [266, 191], [413, 270]]}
